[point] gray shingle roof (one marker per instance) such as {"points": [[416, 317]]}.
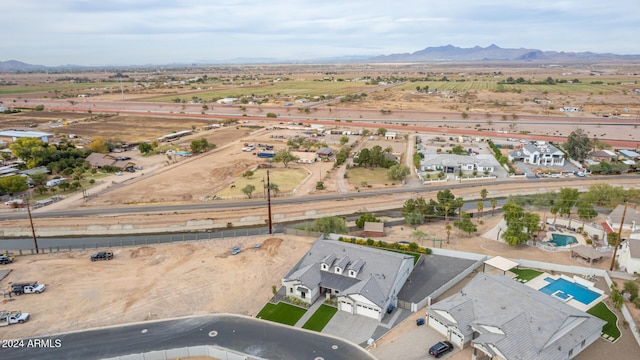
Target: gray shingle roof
{"points": [[378, 266], [370, 289], [337, 282], [536, 325]]}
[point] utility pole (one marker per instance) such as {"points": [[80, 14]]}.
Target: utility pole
{"points": [[33, 229], [615, 251], [269, 201]]}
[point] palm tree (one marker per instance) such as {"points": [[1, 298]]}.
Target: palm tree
{"points": [[480, 206], [483, 194], [494, 202]]}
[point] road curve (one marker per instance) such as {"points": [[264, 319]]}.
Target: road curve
{"points": [[250, 336]]}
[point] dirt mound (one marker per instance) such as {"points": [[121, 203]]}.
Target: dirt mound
{"points": [[272, 245], [142, 251]]}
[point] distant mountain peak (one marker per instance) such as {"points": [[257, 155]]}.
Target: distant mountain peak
{"points": [[495, 53]]}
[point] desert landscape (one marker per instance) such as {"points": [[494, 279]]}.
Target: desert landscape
{"points": [[163, 281]]}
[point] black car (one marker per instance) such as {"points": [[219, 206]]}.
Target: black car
{"points": [[102, 255], [123, 158], [440, 349]]}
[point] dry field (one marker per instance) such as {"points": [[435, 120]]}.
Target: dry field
{"points": [[150, 282]]}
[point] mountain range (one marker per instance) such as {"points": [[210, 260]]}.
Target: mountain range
{"points": [[448, 53], [496, 53]]}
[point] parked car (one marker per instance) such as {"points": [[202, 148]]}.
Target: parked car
{"points": [[440, 349], [102, 255], [118, 173], [390, 309]]}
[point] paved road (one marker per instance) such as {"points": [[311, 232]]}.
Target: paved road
{"points": [[222, 205], [246, 335]]}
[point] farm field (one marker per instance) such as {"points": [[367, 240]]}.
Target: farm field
{"points": [[281, 89]]}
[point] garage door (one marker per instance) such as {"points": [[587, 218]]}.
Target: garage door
{"points": [[346, 307], [438, 326], [456, 339], [367, 311]]}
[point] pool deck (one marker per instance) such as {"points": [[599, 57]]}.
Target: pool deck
{"points": [[539, 282]]}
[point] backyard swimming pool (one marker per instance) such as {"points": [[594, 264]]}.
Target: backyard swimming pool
{"points": [[566, 290], [563, 240]]}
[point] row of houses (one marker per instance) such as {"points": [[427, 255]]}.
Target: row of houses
{"points": [[628, 157], [498, 316]]}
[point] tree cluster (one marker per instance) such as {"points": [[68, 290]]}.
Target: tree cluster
{"points": [[521, 225], [415, 211], [201, 145], [578, 145], [367, 217], [374, 157]]}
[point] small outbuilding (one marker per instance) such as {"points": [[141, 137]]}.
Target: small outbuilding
{"points": [[373, 229]]}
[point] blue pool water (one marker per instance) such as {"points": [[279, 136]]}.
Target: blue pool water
{"points": [[579, 292], [563, 240]]}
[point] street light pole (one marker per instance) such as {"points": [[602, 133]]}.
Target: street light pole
{"points": [[498, 236]]}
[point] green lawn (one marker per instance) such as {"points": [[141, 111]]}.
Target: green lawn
{"points": [[320, 318], [526, 274], [600, 310], [281, 313]]}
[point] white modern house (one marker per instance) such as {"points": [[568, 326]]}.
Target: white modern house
{"points": [[364, 281], [539, 153], [629, 254], [505, 319]]}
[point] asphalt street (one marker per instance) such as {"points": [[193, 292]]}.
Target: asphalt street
{"points": [[220, 205], [242, 334]]}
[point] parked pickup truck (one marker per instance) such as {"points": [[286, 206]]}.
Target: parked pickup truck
{"points": [[28, 288], [12, 317], [102, 255]]}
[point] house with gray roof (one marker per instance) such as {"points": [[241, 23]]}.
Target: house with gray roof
{"points": [[631, 219], [630, 154], [12, 135], [364, 281], [504, 319], [538, 153], [451, 163]]}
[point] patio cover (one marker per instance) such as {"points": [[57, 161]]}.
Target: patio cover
{"points": [[501, 263], [588, 252]]}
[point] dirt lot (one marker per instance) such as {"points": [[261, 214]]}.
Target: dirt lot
{"points": [[150, 282]]}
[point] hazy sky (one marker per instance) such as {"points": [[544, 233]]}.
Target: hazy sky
{"points": [[137, 32]]}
